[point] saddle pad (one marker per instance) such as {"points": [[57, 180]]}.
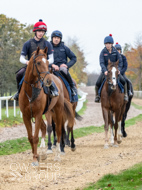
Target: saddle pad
{"points": [[72, 98]]}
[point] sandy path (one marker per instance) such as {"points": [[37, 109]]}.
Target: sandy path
{"points": [[87, 164], [92, 116]]}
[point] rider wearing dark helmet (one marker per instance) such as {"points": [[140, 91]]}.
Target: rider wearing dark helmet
{"points": [[29, 47], [109, 52], [61, 53], [125, 65]]}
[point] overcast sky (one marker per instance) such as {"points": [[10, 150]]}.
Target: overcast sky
{"points": [[89, 21]]}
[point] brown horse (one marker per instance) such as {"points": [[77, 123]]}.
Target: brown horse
{"points": [[64, 137], [33, 100], [112, 102]]}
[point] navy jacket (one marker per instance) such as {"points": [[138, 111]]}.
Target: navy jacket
{"points": [[61, 53], [125, 64], [113, 56]]}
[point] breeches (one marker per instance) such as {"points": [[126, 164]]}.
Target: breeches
{"points": [[20, 74]]}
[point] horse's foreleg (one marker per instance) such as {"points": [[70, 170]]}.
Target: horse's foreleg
{"points": [[111, 135], [42, 145], [38, 121], [105, 116], [117, 115], [49, 131], [119, 133], [28, 124]]}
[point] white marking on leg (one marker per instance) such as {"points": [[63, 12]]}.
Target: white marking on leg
{"points": [[111, 136], [57, 157], [42, 144], [119, 132]]}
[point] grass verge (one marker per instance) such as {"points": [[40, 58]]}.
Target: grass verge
{"points": [[136, 106], [130, 179], [22, 144]]}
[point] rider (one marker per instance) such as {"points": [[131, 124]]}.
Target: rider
{"points": [[29, 47], [109, 52], [61, 53], [125, 64]]}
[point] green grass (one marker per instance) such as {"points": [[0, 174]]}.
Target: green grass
{"points": [[130, 179], [11, 120], [136, 106], [81, 112], [22, 144]]}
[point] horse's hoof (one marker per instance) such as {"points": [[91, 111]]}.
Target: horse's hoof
{"points": [[49, 152], [73, 149], [62, 153], [106, 147], [53, 146], [115, 145], [119, 142], [35, 164], [124, 134], [43, 156]]}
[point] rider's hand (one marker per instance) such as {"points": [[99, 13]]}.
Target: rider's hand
{"points": [[106, 72], [63, 65], [55, 67], [118, 72], [27, 62]]}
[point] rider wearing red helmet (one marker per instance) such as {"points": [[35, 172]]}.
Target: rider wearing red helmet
{"points": [[29, 47]]}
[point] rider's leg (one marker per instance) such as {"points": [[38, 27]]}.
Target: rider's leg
{"points": [[98, 84], [129, 85], [67, 76], [122, 80], [19, 76], [53, 90]]}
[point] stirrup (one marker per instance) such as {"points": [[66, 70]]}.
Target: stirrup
{"points": [[73, 91], [53, 94], [130, 93]]}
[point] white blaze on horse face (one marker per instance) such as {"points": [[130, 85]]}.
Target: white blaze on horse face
{"points": [[114, 76], [44, 60]]}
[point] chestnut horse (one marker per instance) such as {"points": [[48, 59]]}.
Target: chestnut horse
{"points": [[112, 103], [33, 100], [64, 137]]}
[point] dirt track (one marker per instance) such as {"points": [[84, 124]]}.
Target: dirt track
{"points": [[87, 164]]}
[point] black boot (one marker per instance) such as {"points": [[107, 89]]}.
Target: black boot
{"points": [[97, 99], [130, 94], [53, 90], [125, 93], [71, 83], [16, 96]]}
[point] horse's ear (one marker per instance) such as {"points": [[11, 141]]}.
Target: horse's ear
{"points": [[45, 50], [37, 51]]}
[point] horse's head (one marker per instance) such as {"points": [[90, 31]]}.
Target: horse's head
{"points": [[112, 74], [40, 65]]}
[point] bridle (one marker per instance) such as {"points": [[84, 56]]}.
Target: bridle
{"points": [[39, 73]]}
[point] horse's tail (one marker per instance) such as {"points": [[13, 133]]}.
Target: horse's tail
{"points": [[78, 117], [68, 113]]}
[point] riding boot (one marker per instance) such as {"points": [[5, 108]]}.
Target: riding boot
{"points": [[125, 93], [16, 96], [97, 99], [53, 90], [130, 94], [71, 83]]}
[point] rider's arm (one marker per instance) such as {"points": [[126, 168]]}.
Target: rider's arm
{"points": [[125, 64], [23, 60], [102, 62], [71, 56]]}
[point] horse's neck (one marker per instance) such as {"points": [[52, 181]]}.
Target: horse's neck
{"points": [[29, 77]]}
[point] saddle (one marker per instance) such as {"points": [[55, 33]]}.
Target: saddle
{"points": [[72, 98]]}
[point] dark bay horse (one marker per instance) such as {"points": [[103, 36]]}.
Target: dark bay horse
{"points": [[33, 100], [112, 103]]}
